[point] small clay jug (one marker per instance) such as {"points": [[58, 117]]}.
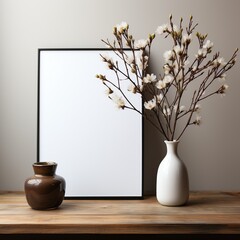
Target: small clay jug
{"points": [[45, 190]]}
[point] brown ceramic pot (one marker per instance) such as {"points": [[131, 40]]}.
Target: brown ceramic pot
{"points": [[45, 190]]}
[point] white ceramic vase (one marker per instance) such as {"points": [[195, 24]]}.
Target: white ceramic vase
{"points": [[172, 178]]}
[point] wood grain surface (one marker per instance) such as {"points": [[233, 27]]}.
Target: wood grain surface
{"points": [[205, 213]]}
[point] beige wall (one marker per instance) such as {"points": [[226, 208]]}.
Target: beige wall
{"points": [[211, 151]]}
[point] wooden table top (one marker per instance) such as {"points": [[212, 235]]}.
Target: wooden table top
{"points": [[206, 212]]}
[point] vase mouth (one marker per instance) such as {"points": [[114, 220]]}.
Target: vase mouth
{"points": [[174, 141], [46, 164]]}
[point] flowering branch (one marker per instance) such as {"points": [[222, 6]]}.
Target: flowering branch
{"points": [[165, 96]]}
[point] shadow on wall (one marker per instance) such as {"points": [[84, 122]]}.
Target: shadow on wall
{"points": [[154, 146], [154, 152]]}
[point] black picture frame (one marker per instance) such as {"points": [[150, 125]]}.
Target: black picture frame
{"points": [[60, 114]]}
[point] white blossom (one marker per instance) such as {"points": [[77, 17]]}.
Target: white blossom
{"points": [[186, 38], [150, 104], [106, 58], [141, 88], [177, 49], [175, 68], [175, 28], [150, 78], [194, 68], [166, 111], [168, 79], [223, 89], [159, 97], [160, 84], [223, 77], [181, 108], [118, 100], [142, 65], [122, 27], [202, 52], [221, 61], [225, 86], [130, 59], [208, 44], [168, 55], [139, 60], [131, 88], [162, 29], [197, 108], [198, 120], [142, 43], [120, 103], [215, 63], [166, 68]]}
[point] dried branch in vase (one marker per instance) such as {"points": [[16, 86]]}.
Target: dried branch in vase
{"points": [[167, 89]]}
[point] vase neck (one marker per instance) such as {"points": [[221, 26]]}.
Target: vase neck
{"points": [[44, 168], [172, 147]]}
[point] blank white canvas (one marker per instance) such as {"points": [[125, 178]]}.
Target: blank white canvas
{"points": [[98, 148]]}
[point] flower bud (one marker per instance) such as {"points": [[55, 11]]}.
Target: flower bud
{"points": [[100, 76], [151, 37], [110, 66], [133, 69], [222, 89], [115, 30]]}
